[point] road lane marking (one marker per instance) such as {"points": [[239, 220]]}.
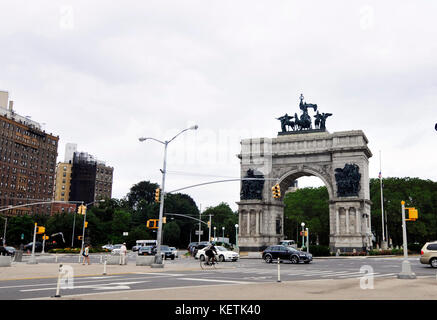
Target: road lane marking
{"points": [[107, 286], [215, 280]]}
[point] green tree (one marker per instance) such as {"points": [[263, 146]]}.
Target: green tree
{"points": [[309, 205], [222, 216]]}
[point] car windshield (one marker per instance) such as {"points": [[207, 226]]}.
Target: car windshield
{"points": [[172, 248], [117, 246], [220, 248], [291, 249], [164, 248]]}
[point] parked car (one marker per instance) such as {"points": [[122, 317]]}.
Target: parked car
{"points": [[136, 248], [285, 254], [108, 247], [10, 251], [166, 252], [428, 254], [175, 251], [38, 246], [146, 251], [223, 254], [191, 244], [3, 251], [116, 249]]}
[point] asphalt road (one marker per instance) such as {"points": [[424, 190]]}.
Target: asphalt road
{"points": [[243, 271]]}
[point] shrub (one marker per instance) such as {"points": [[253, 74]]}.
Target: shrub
{"points": [[318, 251]]}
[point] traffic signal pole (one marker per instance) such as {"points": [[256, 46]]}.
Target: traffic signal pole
{"points": [[406, 266], [158, 257], [32, 257]]}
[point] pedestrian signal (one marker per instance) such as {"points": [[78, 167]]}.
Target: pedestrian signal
{"points": [[412, 214], [152, 223], [164, 220], [157, 191], [79, 237], [45, 237], [276, 191], [86, 224]]}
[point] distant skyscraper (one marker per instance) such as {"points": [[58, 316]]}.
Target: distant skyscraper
{"points": [[83, 178], [70, 149]]}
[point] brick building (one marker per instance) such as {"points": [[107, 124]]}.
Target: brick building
{"points": [[27, 161]]}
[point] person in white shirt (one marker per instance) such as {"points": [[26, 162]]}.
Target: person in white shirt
{"points": [[86, 254], [123, 251]]}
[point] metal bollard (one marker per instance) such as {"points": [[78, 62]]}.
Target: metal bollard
{"points": [[101, 258], [57, 295], [56, 257], [279, 271], [104, 267]]}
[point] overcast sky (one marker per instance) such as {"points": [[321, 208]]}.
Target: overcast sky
{"points": [[103, 74]]}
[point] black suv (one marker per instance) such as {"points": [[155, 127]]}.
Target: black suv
{"points": [[286, 253], [165, 252]]}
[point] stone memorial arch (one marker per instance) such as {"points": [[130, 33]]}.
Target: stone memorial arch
{"points": [[339, 159]]}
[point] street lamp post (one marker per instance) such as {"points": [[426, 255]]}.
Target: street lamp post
{"points": [[303, 234], [74, 225], [158, 257], [4, 233], [236, 236], [223, 234], [308, 240]]}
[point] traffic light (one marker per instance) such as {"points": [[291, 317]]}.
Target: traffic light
{"points": [[209, 224], [40, 230], [164, 220], [157, 191], [276, 191], [44, 237], [86, 224], [79, 237], [412, 214], [81, 209]]}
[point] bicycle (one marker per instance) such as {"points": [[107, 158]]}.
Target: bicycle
{"points": [[211, 265]]}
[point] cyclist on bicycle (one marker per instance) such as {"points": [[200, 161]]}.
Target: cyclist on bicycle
{"points": [[210, 251]]}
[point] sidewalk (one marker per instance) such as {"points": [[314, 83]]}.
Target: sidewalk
{"points": [[345, 289]]}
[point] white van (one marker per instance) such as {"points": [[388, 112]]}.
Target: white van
{"points": [[288, 243], [142, 243]]}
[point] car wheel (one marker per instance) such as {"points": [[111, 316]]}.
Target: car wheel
{"points": [[433, 262], [221, 258], [172, 258], [202, 258], [294, 259], [268, 258]]}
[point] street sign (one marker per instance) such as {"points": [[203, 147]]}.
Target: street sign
{"points": [[201, 232]]}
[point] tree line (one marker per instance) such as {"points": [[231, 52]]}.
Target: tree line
{"points": [[311, 205], [108, 220]]}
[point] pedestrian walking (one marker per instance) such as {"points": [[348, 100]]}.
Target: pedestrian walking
{"points": [[86, 254], [123, 251]]}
